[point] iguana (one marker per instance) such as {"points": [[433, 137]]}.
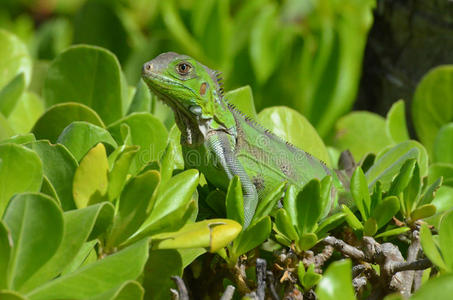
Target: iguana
{"points": [[219, 140]]}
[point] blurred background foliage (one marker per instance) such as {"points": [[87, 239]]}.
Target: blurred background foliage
{"points": [[303, 54]]}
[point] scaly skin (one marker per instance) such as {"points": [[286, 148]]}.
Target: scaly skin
{"points": [[220, 141]]}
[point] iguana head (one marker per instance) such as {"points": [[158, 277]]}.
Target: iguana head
{"points": [[191, 90]]}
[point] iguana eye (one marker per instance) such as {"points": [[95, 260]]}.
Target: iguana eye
{"points": [[183, 68]]}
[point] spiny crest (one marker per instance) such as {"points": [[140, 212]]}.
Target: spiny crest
{"points": [[219, 78]]}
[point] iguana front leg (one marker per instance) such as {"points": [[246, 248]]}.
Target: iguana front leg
{"points": [[222, 146]]}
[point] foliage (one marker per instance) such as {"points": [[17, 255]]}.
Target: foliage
{"points": [[94, 199]]}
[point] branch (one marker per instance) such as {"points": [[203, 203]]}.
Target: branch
{"points": [[344, 248], [261, 278], [271, 285], [229, 293], [182, 290], [420, 264]]}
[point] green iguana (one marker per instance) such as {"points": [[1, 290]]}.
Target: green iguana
{"points": [[220, 141]]}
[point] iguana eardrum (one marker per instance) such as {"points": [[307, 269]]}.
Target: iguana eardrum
{"points": [[219, 140]]}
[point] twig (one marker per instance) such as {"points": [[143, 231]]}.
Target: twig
{"points": [[182, 290], [420, 264], [344, 248], [229, 293], [261, 278], [271, 285]]}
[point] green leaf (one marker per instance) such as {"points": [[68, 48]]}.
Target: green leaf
{"points": [[330, 223], [429, 247], [430, 192], [235, 201], [289, 203], [412, 191], [385, 210], [336, 282], [11, 295], [120, 170], [147, 132], [446, 239], [326, 195], [36, 225], [392, 232], [349, 133], [443, 144], [307, 241], [79, 137], [5, 249], [440, 288], [300, 271], [359, 191], [308, 206], [128, 290], [432, 105], [142, 99], [212, 234], [437, 170], [59, 167], [132, 210], [89, 75], [311, 278], [19, 139], [389, 162], [283, 224], [91, 178], [27, 111], [422, 212], [370, 227], [50, 125], [103, 275], [11, 93], [165, 215], [288, 124], [161, 265], [403, 178], [6, 132], [351, 218], [14, 58], [251, 237], [269, 201], [80, 225], [242, 98], [396, 123], [15, 162]]}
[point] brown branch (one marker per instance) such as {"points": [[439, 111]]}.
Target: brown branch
{"points": [[271, 285], [229, 293], [420, 264], [182, 290], [344, 248]]}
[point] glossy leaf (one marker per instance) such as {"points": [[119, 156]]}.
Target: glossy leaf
{"points": [[430, 248], [91, 178], [289, 203], [120, 170], [89, 75], [132, 210], [308, 206], [5, 249], [385, 210], [59, 167], [50, 125], [14, 58], [443, 144], [141, 102], [270, 200], [36, 226], [130, 289], [147, 132], [283, 224], [161, 265], [432, 105], [437, 170], [423, 212], [104, 275], [307, 241], [370, 227], [446, 239], [180, 189], [311, 278], [11, 93], [392, 232], [288, 124], [27, 111], [251, 237], [351, 218], [15, 162], [79, 137], [336, 282], [440, 288], [396, 123], [80, 225], [359, 191], [242, 99], [349, 133], [212, 234], [235, 201]]}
